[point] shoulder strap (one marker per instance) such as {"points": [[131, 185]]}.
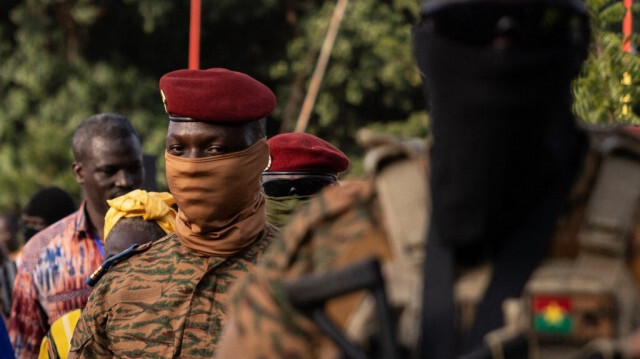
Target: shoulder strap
{"points": [[400, 172], [615, 197], [106, 265]]}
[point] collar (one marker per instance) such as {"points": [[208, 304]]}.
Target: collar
{"points": [[82, 227]]}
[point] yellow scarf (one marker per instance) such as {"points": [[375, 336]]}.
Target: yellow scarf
{"points": [[151, 206]]}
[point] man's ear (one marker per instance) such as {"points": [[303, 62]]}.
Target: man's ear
{"points": [[78, 172]]}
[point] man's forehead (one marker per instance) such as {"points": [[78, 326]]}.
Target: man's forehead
{"points": [[114, 149], [197, 128]]}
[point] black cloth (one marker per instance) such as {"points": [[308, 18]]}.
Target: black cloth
{"points": [[51, 204], [503, 132], [506, 149]]}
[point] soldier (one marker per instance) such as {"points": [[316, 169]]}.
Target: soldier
{"points": [[170, 299], [506, 153], [301, 165]]}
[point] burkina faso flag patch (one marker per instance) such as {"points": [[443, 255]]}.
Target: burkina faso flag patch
{"points": [[552, 314]]}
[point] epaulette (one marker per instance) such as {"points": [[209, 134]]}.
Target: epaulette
{"points": [[106, 265]]}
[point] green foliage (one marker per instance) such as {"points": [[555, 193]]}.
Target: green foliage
{"points": [[417, 125], [371, 77], [48, 87], [600, 92], [64, 60]]}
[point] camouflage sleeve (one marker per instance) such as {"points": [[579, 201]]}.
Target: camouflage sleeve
{"points": [[323, 235], [264, 326], [89, 337]]}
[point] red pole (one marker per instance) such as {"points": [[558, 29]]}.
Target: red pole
{"points": [[627, 26], [194, 36]]}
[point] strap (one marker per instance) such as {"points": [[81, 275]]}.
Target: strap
{"points": [[614, 200], [512, 268], [519, 258], [399, 167], [438, 331]]}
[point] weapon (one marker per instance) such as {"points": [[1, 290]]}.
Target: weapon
{"points": [[309, 293]]}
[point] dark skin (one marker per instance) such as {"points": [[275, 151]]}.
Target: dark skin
{"points": [[123, 237], [110, 168], [203, 139]]}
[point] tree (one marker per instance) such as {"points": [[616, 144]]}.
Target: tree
{"points": [[371, 77], [50, 79], [603, 88], [63, 60]]}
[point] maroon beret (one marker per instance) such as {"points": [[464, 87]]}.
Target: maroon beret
{"points": [[215, 95], [302, 152], [632, 129]]}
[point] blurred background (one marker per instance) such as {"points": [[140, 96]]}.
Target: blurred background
{"points": [[64, 60]]}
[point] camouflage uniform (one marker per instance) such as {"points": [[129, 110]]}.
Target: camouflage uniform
{"points": [[344, 224], [165, 302]]}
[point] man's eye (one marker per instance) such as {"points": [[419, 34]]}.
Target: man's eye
{"points": [[216, 150], [175, 149], [109, 171]]}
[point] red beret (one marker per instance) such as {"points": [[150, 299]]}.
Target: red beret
{"points": [[632, 129], [215, 95], [302, 152]]}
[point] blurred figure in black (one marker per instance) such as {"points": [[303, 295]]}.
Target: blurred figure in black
{"points": [[506, 146], [512, 185], [45, 207]]}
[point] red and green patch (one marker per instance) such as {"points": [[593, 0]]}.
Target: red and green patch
{"points": [[552, 314]]}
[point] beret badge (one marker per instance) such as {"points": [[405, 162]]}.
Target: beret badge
{"points": [[268, 164], [164, 101]]}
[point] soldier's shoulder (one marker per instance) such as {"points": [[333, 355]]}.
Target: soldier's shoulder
{"points": [[271, 232], [340, 198], [129, 255]]}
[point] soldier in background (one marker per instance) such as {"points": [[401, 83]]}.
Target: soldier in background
{"points": [[301, 165], [506, 151], [508, 159]]}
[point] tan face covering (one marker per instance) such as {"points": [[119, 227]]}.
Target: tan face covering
{"points": [[220, 208]]}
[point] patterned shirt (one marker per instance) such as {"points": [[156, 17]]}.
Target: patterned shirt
{"points": [[168, 301], [50, 279]]}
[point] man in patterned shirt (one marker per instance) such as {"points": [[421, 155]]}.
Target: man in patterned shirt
{"points": [[169, 300], [57, 260]]}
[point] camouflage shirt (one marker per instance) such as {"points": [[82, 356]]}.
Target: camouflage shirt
{"points": [[342, 225], [166, 302]]}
